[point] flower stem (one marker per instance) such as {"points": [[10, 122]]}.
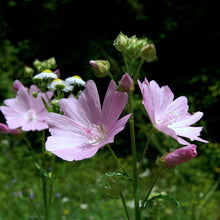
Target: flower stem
{"points": [[52, 178], [153, 184], [116, 159], [145, 150], [124, 205], [138, 69], [134, 157]]}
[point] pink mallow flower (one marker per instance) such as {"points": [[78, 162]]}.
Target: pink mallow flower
{"points": [[25, 110], [179, 156], [168, 115], [85, 127]]}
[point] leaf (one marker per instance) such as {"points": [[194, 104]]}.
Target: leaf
{"points": [[61, 170], [42, 170], [148, 203], [46, 105]]}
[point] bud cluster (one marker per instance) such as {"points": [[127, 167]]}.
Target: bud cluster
{"points": [[134, 47]]}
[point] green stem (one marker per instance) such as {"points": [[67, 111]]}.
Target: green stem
{"points": [[126, 64], [116, 159], [138, 69], [43, 178], [52, 178], [134, 157], [145, 150], [35, 209], [153, 184], [124, 205]]}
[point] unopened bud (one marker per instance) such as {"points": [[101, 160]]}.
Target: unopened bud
{"points": [[178, 156], [4, 129], [126, 83], [101, 68], [52, 63], [28, 71], [120, 42], [17, 84], [37, 63], [148, 52]]}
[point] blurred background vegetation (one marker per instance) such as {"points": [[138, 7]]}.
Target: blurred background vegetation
{"points": [[186, 35]]}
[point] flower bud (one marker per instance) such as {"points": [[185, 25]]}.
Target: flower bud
{"points": [[52, 63], [28, 71], [37, 63], [126, 83], [178, 156], [120, 42], [101, 68], [148, 52], [17, 84], [4, 129]]}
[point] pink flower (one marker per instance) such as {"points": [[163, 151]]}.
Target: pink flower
{"points": [[168, 115], [126, 83], [4, 129], [179, 156], [85, 127], [26, 111]]}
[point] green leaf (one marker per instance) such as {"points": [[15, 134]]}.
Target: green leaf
{"points": [[46, 105], [42, 170], [61, 170], [148, 203]]}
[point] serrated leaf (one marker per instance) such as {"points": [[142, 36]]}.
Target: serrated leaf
{"points": [[149, 202]]}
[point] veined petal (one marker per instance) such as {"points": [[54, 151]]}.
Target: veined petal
{"points": [[70, 148], [192, 133], [14, 118], [113, 106], [86, 109], [161, 97], [188, 120], [61, 125], [119, 126]]}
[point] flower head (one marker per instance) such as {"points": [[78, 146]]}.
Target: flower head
{"points": [[46, 74], [26, 111], [75, 80], [179, 156], [85, 127], [59, 84], [168, 115]]}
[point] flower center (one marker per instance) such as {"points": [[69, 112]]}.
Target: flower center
{"points": [[31, 115], [95, 134], [167, 118]]}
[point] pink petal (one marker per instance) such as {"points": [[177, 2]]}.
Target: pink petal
{"points": [[14, 118], [113, 105], [64, 126], [188, 120], [70, 148], [179, 106], [86, 109], [190, 132], [119, 126]]}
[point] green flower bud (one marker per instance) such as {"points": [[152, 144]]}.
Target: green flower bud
{"points": [[148, 52], [101, 68], [37, 63], [120, 42], [52, 63], [28, 71]]}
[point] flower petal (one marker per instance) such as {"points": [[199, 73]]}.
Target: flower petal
{"points": [[70, 148], [86, 109], [113, 105]]}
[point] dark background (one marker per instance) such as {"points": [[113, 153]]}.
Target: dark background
{"points": [[186, 35]]}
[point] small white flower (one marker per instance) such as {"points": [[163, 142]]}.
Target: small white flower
{"points": [[46, 74], [83, 206], [59, 84], [75, 80], [65, 199]]}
